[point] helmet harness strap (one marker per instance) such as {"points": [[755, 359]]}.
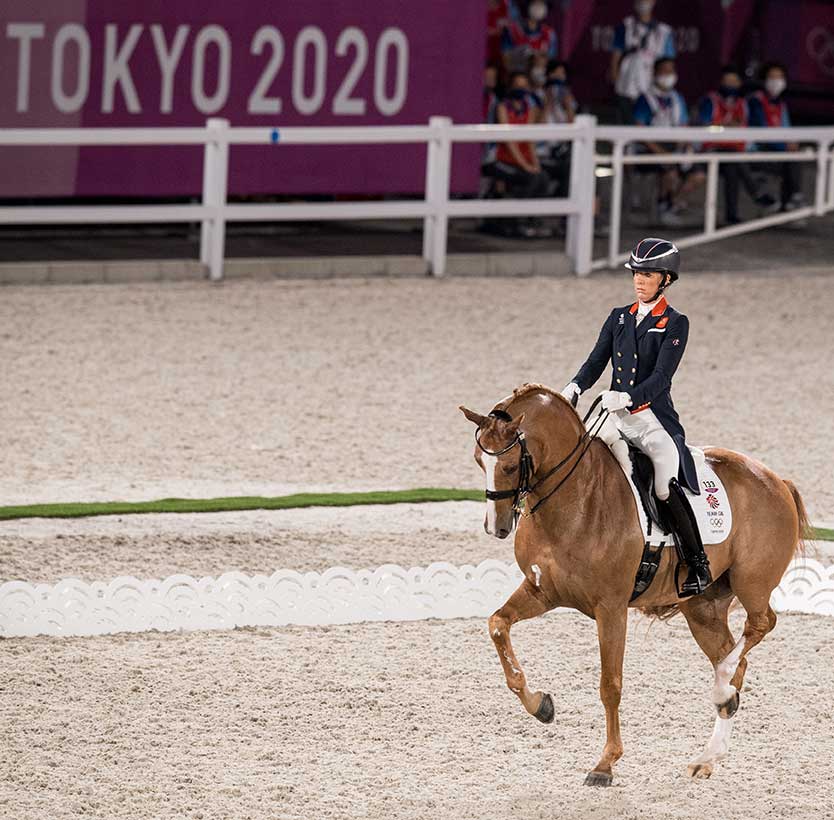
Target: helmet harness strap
{"points": [[665, 282]]}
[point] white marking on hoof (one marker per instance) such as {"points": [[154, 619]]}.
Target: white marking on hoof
{"points": [[723, 690], [721, 694], [538, 574], [716, 749]]}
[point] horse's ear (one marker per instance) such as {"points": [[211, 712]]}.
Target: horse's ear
{"points": [[475, 418], [515, 424]]}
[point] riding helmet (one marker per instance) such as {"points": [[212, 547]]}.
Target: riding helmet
{"points": [[653, 254]]}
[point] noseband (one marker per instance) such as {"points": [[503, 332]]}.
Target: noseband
{"points": [[525, 461], [525, 467]]}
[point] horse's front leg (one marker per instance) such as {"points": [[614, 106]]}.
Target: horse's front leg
{"points": [[611, 630], [526, 602]]}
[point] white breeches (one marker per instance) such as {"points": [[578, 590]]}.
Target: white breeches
{"points": [[646, 433]]}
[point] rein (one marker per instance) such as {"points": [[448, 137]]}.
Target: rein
{"points": [[525, 462]]}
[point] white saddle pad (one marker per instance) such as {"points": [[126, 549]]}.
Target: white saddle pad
{"points": [[711, 507]]}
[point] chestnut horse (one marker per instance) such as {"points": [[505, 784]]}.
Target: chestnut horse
{"points": [[581, 549]]}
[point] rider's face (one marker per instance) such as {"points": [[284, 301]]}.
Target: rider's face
{"points": [[646, 284]]}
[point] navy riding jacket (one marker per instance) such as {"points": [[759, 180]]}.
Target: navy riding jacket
{"points": [[644, 358]]}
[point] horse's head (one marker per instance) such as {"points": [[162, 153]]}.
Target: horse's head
{"points": [[499, 451]]}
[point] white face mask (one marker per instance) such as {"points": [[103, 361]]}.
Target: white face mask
{"points": [[537, 11], [666, 81], [775, 86], [538, 76]]}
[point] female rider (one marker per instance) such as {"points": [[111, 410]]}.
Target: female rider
{"points": [[645, 342]]}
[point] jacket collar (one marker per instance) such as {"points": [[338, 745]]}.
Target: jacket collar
{"points": [[652, 318], [658, 310]]}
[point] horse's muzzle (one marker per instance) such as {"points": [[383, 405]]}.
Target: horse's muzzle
{"points": [[500, 532]]}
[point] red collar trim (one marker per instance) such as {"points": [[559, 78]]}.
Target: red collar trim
{"points": [[658, 310], [660, 307]]}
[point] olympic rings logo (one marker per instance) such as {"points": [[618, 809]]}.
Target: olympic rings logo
{"points": [[820, 46]]}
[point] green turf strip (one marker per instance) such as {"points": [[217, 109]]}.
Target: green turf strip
{"points": [[236, 503], [199, 505]]}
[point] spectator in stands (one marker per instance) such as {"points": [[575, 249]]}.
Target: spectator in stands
{"points": [[768, 109], [558, 106], [538, 74], [662, 106], [499, 14], [517, 167], [527, 36], [639, 41], [727, 107]]}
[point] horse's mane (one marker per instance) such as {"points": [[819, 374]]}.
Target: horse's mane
{"points": [[527, 389]]}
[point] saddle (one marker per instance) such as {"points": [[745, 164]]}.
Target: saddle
{"points": [[711, 507]]}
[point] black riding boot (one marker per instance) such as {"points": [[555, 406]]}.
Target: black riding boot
{"points": [[686, 527]]}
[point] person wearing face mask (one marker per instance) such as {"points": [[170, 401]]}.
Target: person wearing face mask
{"points": [[530, 35], [517, 167], [768, 109], [662, 106], [537, 72], [639, 41], [727, 107], [559, 107]]}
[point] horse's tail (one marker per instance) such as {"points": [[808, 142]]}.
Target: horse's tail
{"points": [[805, 531]]}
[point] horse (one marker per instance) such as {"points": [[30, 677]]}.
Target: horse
{"points": [[579, 544]]}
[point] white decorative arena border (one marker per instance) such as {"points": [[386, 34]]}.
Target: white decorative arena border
{"points": [[337, 596]]}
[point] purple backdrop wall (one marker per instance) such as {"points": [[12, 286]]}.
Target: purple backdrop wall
{"points": [[77, 63]]}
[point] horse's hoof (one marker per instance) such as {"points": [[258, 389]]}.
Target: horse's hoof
{"points": [[599, 779], [545, 712], [699, 771], [727, 709]]}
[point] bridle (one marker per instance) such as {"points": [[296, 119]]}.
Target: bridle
{"points": [[526, 468]]}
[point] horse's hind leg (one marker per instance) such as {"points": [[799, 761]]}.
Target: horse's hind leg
{"points": [[526, 602], [730, 665], [707, 621], [729, 674]]}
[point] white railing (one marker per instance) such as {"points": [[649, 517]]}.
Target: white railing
{"points": [[620, 137], [436, 207]]}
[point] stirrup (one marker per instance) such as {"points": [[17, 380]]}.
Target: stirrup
{"points": [[698, 578]]}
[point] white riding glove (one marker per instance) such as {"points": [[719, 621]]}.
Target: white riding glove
{"points": [[613, 401], [571, 390]]}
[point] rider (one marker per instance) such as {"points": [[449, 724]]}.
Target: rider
{"points": [[645, 342]]}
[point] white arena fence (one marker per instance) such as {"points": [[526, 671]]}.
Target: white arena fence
{"points": [[337, 596], [436, 207], [622, 138]]}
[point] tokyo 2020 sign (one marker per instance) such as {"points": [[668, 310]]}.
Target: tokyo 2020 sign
{"points": [[91, 63]]}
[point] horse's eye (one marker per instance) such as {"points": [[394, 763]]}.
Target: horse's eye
{"points": [[509, 469]]}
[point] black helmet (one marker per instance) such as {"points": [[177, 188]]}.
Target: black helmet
{"points": [[653, 254]]}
